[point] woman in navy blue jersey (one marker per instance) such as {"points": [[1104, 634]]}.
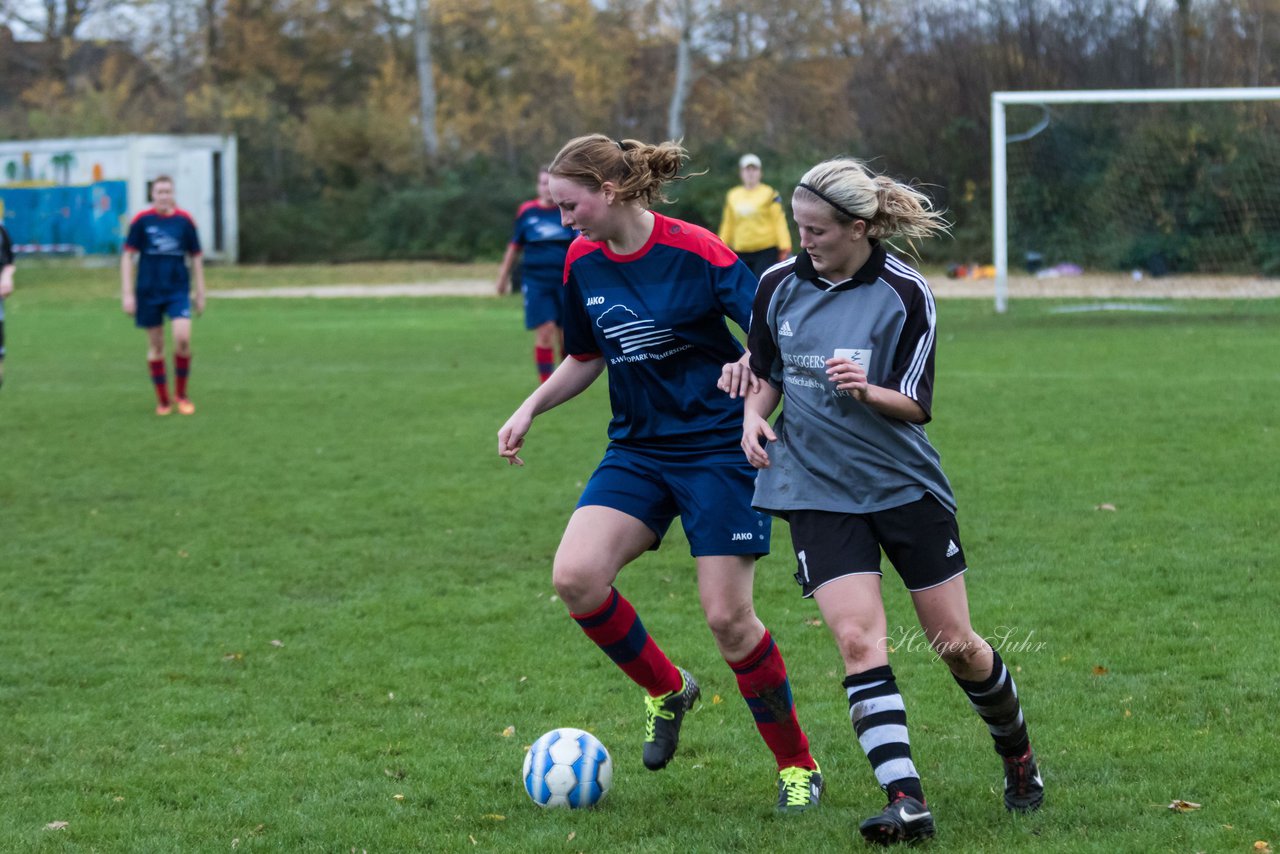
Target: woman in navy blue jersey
{"points": [[160, 241], [845, 333], [540, 241], [647, 297]]}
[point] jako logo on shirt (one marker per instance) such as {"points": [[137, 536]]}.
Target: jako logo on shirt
{"points": [[742, 535], [595, 300]]}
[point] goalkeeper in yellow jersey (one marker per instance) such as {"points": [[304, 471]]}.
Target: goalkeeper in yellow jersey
{"points": [[754, 224]]}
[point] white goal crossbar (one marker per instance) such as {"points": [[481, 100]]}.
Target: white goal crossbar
{"points": [[999, 140]]}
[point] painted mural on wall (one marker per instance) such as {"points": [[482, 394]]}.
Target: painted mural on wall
{"points": [[45, 212]]}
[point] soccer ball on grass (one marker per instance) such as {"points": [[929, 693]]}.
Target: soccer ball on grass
{"points": [[567, 767]]}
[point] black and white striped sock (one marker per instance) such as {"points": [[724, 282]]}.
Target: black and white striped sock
{"points": [[995, 699], [880, 722]]}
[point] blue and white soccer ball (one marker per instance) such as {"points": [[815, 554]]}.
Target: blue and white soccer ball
{"points": [[567, 767]]}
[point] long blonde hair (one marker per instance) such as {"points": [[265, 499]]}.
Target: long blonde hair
{"points": [[637, 169], [890, 209]]}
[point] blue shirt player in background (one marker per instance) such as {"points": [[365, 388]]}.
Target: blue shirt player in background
{"points": [[161, 238], [542, 242], [647, 296]]}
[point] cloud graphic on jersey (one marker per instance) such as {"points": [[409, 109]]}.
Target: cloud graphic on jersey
{"points": [[603, 321], [632, 332]]}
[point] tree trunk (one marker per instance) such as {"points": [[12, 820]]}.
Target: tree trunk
{"points": [[680, 92], [1181, 33], [426, 76]]}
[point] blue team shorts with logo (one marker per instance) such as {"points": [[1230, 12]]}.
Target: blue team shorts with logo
{"points": [[543, 297], [153, 308], [709, 490]]}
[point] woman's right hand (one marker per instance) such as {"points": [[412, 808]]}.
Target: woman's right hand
{"points": [[511, 436], [755, 432]]}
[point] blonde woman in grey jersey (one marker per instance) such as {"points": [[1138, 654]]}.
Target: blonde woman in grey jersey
{"points": [[845, 331]]}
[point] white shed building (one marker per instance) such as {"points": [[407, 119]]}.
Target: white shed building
{"points": [[42, 181]]}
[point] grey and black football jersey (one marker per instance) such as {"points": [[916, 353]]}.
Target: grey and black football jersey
{"points": [[833, 452]]}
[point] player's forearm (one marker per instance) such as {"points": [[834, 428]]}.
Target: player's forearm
{"points": [[763, 400], [569, 380], [894, 404], [508, 264], [197, 274], [126, 274]]}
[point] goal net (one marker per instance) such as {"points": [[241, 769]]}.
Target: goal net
{"points": [[1128, 188]]}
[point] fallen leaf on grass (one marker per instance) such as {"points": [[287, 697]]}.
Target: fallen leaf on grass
{"points": [[493, 816], [1179, 805], [397, 796], [572, 835], [473, 839], [1110, 507], [1262, 846], [277, 643], [55, 825], [235, 843], [1099, 670], [508, 732], [717, 700], [813, 622], [233, 656]]}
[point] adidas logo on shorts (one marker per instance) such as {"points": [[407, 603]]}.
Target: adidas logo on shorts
{"points": [[952, 548]]}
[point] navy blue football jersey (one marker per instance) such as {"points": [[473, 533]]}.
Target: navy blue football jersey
{"points": [[163, 244], [658, 319], [544, 240]]}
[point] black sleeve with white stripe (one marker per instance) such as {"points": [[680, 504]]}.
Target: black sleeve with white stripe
{"points": [[913, 359], [760, 337]]}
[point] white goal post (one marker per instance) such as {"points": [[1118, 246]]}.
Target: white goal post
{"points": [[1000, 141]]}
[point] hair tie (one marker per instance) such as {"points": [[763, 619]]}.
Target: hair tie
{"points": [[831, 202]]}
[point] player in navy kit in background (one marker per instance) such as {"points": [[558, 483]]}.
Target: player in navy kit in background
{"points": [[845, 332], [161, 238], [541, 241], [647, 296]]}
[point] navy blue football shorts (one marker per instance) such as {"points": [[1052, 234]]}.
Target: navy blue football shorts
{"points": [[543, 297], [154, 308], [709, 490], [921, 540]]}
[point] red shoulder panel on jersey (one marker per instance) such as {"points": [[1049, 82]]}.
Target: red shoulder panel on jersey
{"points": [[692, 238], [140, 214], [579, 248], [181, 212], [524, 206]]}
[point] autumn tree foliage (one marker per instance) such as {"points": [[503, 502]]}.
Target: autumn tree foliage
{"points": [[326, 98]]}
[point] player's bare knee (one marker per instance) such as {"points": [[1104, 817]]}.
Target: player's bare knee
{"points": [[960, 653], [579, 586], [859, 649], [732, 627]]}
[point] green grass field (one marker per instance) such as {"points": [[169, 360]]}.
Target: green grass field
{"points": [[304, 619]]}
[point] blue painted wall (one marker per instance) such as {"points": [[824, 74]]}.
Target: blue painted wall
{"points": [[90, 218]]}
